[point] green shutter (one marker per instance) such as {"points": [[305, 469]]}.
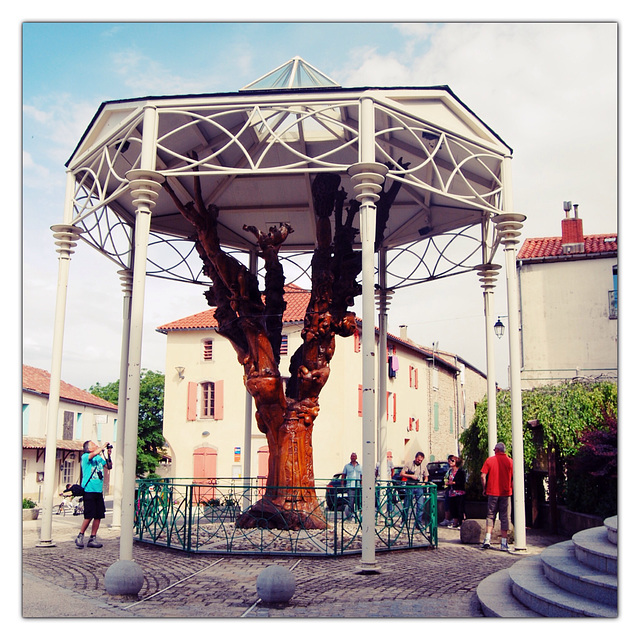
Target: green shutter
{"points": [[436, 413]]}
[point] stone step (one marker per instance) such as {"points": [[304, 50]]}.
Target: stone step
{"points": [[612, 529], [497, 601], [594, 549], [562, 568], [531, 588]]}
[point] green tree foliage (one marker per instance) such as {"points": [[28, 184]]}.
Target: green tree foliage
{"points": [[150, 415], [576, 417]]}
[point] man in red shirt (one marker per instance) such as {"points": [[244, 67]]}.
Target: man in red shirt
{"points": [[496, 476]]}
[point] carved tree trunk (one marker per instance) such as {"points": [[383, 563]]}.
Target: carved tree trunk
{"points": [[254, 327]]}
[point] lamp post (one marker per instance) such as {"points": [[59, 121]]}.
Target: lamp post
{"points": [[499, 328]]}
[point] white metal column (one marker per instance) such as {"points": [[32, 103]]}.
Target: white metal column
{"points": [[384, 297], [65, 235], [126, 278], [509, 225], [488, 275], [367, 177], [124, 577], [248, 416]]}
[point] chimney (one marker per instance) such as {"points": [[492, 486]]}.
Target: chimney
{"points": [[572, 234], [403, 332]]}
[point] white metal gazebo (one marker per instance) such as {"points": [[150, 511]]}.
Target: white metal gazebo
{"points": [[256, 152]]}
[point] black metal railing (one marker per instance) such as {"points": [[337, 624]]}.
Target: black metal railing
{"points": [[198, 515]]}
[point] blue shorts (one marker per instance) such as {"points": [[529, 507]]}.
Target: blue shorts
{"points": [[93, 505]]}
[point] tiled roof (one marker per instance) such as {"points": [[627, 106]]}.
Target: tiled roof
{"points": [[38, 380], [533, 248], [41, 443], [296, 298]]}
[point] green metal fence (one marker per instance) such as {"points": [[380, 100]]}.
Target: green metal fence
{"points": [[198, 515]]}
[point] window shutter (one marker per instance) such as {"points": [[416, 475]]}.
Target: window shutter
{"points": [[284, 345], [394, 407], [207, 350], [417, 424], [356, 341], [192, 396], [360, 400], [218, 399], [415, 378], [410, 376]]}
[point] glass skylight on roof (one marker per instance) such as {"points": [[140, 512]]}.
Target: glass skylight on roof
{"points": [[294, 74]]}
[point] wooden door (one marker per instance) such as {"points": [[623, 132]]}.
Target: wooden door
{"points": [[204, 472]]}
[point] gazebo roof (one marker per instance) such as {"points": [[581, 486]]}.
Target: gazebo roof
{"points": [[258, 150]]}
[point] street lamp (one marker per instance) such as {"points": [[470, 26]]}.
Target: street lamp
{"points": [[498, 327]]}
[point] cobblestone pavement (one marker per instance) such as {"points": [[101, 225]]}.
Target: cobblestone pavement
{"points": [[410, 584]]}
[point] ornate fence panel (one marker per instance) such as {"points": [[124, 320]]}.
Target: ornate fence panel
{"points": [[169, 514]]}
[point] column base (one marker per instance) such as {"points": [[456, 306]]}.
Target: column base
{"points": [[123, 578]]}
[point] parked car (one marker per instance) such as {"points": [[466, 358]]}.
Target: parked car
{"points": [[437, 472], [336, 494]]}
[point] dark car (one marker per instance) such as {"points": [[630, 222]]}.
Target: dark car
{"points": [[336, 494], [437, 472]]}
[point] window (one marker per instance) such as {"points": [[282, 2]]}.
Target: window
{"points": [[208, 397], [25, 419], [413, 377], [284, 346], [392, 397], [613, 296], [414, 424], [207, 349], [205, 401], [67, 426], [67, 472]]}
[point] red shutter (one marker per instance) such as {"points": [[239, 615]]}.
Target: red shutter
{"points": [[218, 400], [356, 341], [415, 378], [410, 376], [192, 396], [417, 425], [360, 400], [394, 407], [410, 424]]}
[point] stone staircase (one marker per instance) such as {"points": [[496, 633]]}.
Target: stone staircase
{"points": [[576, 578]]}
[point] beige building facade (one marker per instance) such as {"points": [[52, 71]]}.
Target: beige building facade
{"points": [[429, 400], [81, 416], [569, 307]]}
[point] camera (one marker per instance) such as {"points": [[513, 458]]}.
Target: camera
{"points": [[109, 446]]}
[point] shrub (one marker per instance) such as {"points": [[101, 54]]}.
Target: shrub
{"points": [[28, 503], [579, 419]]}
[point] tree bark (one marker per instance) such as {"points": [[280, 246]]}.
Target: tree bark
{"points": [[254, 327]]}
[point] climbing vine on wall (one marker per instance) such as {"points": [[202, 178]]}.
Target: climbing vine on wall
{"points": [[565, 412]]}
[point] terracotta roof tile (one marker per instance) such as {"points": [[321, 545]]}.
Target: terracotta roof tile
{"points": [[38, 381], [296, 298], [551, 247]]}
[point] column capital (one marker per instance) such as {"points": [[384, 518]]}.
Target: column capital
{"points": [[65, 236], [368, 178], [145, 186], [126, 281], [509, 225], [488, 274], [383, 299]]}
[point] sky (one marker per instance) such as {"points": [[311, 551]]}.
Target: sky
{"points": [[549, 89]]}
